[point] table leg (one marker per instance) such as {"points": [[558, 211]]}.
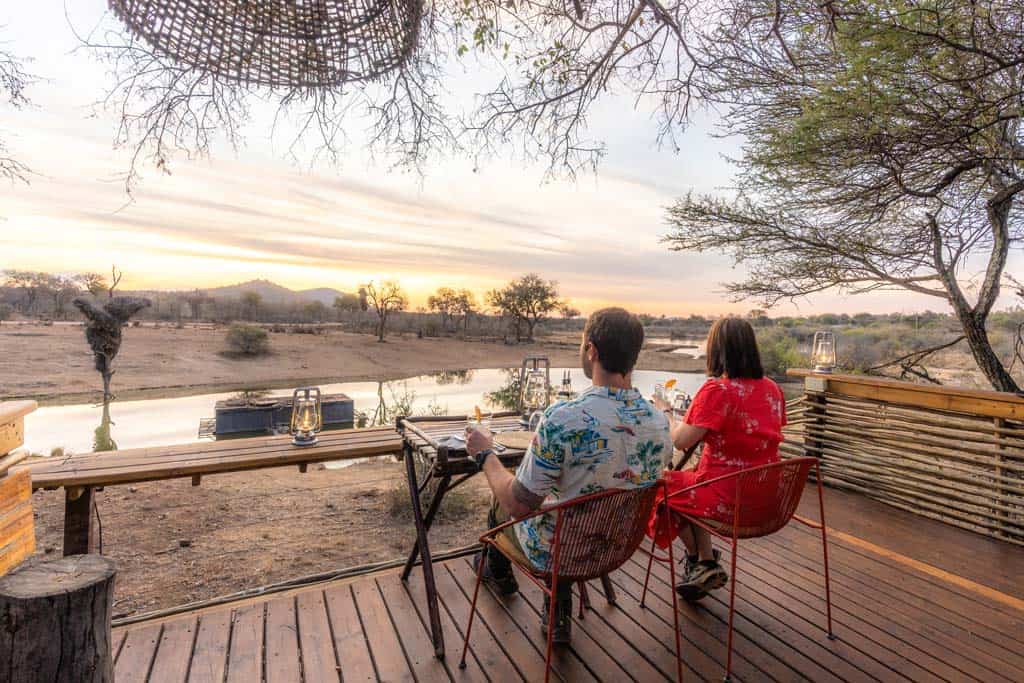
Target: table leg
{"points": [[428, 521], [424, 549]]}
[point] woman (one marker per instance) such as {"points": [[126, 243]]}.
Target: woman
{"points": [[738, 413]]}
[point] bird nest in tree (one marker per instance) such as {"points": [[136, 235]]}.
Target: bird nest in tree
{"points": [[279, 43]]}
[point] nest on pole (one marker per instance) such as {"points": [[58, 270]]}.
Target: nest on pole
{"points": [[279, 43]]}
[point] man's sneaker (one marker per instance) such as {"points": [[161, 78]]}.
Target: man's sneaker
{"points": [[700, 577], [563, 618], [500, 578]]}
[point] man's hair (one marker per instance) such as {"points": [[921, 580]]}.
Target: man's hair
{"points": [[732, 350], [617, 335]]}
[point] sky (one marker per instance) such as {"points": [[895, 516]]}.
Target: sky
{"points": [[255, 213]]}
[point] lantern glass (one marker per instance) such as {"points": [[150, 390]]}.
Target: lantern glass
{"points": [[307, 416], [824, 352], [537, 391]]}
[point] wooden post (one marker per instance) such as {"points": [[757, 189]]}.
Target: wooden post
{"points": [[17, 532], [55, 621], [79, 521], [1000, 517], [814, 390]]}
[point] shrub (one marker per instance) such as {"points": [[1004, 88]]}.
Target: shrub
{"points": [[248, 339], [778, 351]]}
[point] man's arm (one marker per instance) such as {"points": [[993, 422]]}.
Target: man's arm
{"points": [[514, 498]]}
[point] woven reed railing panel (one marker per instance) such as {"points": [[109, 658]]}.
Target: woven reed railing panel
{"points": [[961, 469], [279, 43]]}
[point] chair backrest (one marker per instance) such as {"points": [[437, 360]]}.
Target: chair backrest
{"points": [[765, 497], [597, 533]]}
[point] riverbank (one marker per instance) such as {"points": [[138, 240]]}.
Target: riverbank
{"points": [[53, 365]]}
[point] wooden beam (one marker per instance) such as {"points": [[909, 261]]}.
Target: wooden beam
{"points": [[12, 424], [969, 401], [79, 521]]}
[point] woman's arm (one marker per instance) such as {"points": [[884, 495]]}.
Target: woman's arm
{"points": [[683, 435]]}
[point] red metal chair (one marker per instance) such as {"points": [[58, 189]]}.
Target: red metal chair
{"points": [[594, 535], [750, 520]]}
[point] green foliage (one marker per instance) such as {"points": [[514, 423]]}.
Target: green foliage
{"points": [[248, 340], [779, 352], [527, 300]]}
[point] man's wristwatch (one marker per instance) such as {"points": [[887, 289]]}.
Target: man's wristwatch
{"points": [[481, 457]]}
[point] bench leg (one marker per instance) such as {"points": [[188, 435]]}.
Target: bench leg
{"points": [[79, 521]]}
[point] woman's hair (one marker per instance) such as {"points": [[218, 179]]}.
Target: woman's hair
{"points": [[732, 350]]}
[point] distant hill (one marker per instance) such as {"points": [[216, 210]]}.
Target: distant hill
{"points": [[273, 293]]}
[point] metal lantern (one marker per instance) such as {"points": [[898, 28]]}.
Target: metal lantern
{"points": [[534, 387], [307, 415], [823, 353], [566, 392]]}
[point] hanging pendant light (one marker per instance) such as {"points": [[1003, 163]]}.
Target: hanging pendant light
{"points": [[279, 43]]}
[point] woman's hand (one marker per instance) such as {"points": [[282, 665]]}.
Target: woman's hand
{"points": [[661, 404]]}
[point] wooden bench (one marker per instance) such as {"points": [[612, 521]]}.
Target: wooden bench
{"points": [[80, 475]]}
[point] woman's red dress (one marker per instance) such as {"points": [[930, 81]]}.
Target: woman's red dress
{"points": [[744, 419]]}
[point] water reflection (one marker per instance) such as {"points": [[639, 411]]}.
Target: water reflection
{"points": [[102, 439], [506, 397], [165, 421]]}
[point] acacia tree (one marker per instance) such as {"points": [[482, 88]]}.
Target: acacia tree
{"points": [[385, 298], [31, 283], [883, 151], [346, 303], [251, 304], [527, 301]]}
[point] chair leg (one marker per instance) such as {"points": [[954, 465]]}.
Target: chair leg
{"points": [[609, 590], [584, 598], [824, 553], [647, 576], [732, 610], [472, 607], [552, 608], [675, 610]]}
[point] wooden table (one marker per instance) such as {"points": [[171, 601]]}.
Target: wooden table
{"points": [[423, 439], [80, 475]]}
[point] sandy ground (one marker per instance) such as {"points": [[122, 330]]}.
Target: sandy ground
{"points": [[54, 364], [174, 543]]}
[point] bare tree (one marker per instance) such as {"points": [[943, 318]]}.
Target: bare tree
{"points": [[167, 107], [103, 331], [14, 80], [386, 298], [884, 150]]}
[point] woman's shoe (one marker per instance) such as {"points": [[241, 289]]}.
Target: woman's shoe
{"points": [[700, 578]]}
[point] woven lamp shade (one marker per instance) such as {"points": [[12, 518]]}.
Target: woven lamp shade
{"points": [[279, 43]]}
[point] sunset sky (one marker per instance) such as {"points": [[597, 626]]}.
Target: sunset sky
{"points": [[255, 214]]}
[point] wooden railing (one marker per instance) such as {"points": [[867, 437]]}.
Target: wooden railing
{"points": [[956, 455]]}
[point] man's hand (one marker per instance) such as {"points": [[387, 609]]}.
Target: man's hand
{"points": [[661, 404], [478, 439]]}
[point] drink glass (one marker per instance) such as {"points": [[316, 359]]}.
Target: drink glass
{"points": [[659, 390], [484, 421]]}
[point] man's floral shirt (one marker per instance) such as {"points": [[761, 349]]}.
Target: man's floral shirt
{"points": [[604, 438]]}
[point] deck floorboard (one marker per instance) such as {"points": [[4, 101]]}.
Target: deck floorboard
{"points": [[898, 615]]}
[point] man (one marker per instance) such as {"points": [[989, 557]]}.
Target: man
{"points": [[607, 437]]}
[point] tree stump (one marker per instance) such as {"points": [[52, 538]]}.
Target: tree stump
{"points": [[55, 621]]}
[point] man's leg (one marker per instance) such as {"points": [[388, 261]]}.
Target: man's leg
{"points": [[498, 570]]}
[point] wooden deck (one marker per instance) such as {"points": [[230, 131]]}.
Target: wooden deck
{"points": [[916, 604]]}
